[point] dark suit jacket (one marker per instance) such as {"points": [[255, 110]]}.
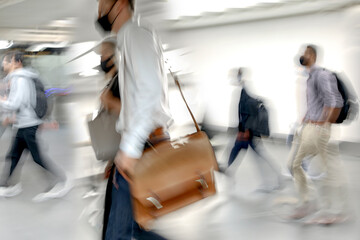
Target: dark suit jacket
{"points": [[252, 115]]}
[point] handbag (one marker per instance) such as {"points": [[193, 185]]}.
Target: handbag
{"points": [[105, 140], [172, 174]]}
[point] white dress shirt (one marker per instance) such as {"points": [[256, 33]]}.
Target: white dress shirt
{"points": [[143, 86]]}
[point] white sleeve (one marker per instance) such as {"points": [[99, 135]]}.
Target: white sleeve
{"points": [[16, 95], [145, 63]]}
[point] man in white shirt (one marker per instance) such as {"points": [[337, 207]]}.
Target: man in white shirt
{"points": [[143, 91]]}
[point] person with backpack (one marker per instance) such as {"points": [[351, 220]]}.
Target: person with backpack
{"points": [[26, 100], [324, 105], [254, 123]]}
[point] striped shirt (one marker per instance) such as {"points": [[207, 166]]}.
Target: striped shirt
{"points": [[322, 91]]}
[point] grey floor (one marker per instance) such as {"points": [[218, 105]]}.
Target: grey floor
{"points": [[236, 212]]}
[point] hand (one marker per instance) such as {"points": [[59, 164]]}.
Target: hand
{"points": [[243, 136], [247, 134], [107, 171], [7, 121], [125, 164]]}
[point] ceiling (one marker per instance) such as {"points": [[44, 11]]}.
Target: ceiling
{"points": [[34, 21]]}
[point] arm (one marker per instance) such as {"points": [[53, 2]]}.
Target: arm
{"points": [[147, 73], [333, 101], [16, 95], [244, 132], [330, 114], [110, 102]]}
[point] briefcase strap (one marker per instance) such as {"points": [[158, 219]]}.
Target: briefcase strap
{"points": [[182, 95]]}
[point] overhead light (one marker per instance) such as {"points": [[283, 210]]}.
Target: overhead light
{"points": [[62, 23], [191, 8], [4, 44], [89, 73], [43, 46]]}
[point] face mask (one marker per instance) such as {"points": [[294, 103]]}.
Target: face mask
{"points": [[104, 64], [303, 61], [104, 22]]}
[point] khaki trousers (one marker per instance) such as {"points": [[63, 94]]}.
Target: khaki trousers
{"points": [[314, 141]]}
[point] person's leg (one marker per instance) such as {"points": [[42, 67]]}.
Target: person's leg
{"points": [[307, 147], [108, 200], [265, 162], [235, 151], [141, 234], [32, 144], [293, 151], [120, 223], [333, 197], [14, 154]]}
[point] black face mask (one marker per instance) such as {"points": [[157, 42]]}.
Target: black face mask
{"points": [[104, 63], [303, 61], [104, 22]]}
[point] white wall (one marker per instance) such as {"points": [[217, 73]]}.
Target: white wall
{"points": [[268, 48]]}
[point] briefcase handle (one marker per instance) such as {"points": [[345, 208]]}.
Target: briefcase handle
{"points": [[182, 95]]}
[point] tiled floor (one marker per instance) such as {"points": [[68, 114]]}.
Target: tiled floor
{"points": [[236, 212]]}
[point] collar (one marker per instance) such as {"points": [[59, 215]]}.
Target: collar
{"points": [[313, 69]]}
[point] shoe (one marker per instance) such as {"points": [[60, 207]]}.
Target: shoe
{"points": [[341, 218], [321, 220], [58, 191], [11, 191], [302, 211]]}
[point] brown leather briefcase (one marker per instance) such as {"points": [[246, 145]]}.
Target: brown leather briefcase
{"points": [[173, 174]]}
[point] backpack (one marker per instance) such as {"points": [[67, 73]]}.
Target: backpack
{"points": [[350, 109], [262, 120], [258, 121], [41, 106]]}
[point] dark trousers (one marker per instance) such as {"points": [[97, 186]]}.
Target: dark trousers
{"points": [[121, 224], [263, 162], [108, 200], [240, 144], [25, 139]]}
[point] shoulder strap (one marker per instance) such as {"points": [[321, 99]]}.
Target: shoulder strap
{"points": [[182, 95]]}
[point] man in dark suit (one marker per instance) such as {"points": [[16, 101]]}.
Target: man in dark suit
{"points": [[253, 123]]}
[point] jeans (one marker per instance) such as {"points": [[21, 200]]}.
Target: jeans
{"points": [[121, 224]]}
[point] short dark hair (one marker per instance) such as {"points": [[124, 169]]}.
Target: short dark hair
{"points": [[313, 49], [18, 56]]}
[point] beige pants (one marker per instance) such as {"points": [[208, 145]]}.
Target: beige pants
{"points": [[314, 140]]}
